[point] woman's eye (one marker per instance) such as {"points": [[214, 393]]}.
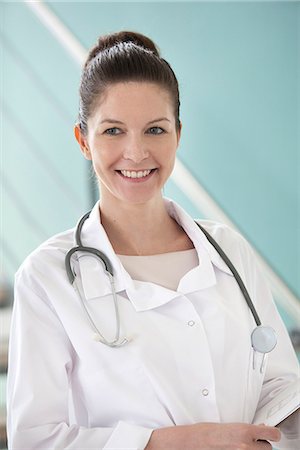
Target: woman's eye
{"points": [[112, 131], [156, 130]]}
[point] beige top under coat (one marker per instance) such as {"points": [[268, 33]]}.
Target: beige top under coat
{"points": [[165, 269]]}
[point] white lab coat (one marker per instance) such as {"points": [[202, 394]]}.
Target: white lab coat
{"points": [[190, 358]]}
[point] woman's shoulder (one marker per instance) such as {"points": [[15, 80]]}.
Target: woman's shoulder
{"points": [[222, 232], [232, 242], [49, 255]]}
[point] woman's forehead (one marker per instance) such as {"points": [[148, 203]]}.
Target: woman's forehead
{"points": [[134, 89], [138, 99]]}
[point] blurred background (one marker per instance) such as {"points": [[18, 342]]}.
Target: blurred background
{"points": [[238, 67]]}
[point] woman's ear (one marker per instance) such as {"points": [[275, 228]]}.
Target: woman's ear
{"points": [[82, 141], [179, 133]]}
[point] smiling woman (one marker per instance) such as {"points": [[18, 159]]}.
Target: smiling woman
{"points": [[188, 375]]}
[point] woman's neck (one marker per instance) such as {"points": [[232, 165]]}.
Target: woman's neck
{"points": [[142, 229]]}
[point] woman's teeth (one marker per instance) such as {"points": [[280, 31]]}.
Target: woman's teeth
{"points": [[132, 174]]}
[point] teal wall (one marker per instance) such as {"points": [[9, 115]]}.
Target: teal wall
{"points": [[237, 68]]}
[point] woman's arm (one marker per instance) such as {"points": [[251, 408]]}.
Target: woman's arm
{"points": [[212, 436], [39, 376]]}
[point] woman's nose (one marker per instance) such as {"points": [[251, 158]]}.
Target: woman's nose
{"points": [[135, 149]]}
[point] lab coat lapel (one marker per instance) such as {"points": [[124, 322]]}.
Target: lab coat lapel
{"points": [[146, 295], [199, 278], [200, 241]]}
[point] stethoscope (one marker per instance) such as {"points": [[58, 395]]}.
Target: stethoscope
{"points": [[263, 338]]}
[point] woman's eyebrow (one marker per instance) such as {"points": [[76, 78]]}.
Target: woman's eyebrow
{"points": [[122, 123], [158, 120], [111, 121]]}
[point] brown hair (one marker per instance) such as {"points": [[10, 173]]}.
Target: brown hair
{"points": [[120, 57]]}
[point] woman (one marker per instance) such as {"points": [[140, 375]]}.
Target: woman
{"points": [[170, 364]]}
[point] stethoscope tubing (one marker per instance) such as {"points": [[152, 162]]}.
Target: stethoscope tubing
{"points": [[234, 273], [263, 338]]}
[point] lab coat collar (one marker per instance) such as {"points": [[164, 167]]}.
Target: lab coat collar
{"points": [[144, 295], [196, 235]]}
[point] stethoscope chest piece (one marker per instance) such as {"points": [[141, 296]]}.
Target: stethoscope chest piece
{"points": [[263, 339]]}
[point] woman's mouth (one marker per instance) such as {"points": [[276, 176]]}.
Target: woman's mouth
{"points": [[136, 175]]}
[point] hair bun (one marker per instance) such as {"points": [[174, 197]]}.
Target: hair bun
{"points": [[110, 40]]}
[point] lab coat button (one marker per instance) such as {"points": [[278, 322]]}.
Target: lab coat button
{"points": [[205, 392], [191, 323]]}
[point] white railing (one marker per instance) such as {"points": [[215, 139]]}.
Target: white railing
{"points": [[181, 176]]}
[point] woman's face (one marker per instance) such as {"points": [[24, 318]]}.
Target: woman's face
{"points": [[132, 141]]}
